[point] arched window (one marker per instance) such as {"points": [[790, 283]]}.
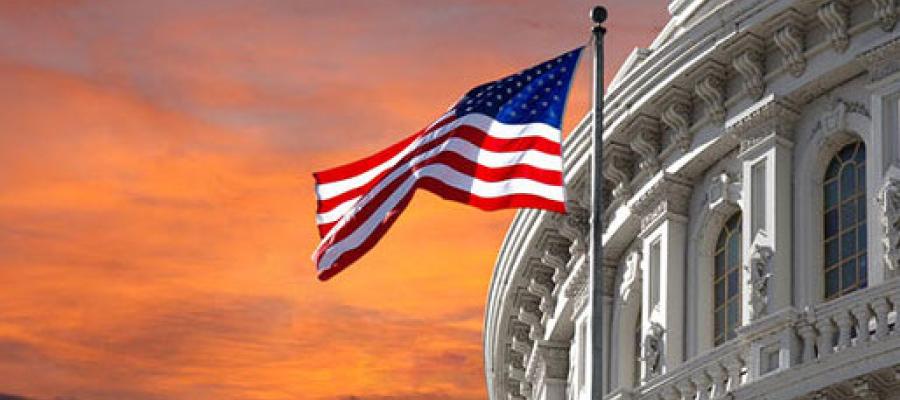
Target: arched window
{"points": [[844, 190], [727, 281]]}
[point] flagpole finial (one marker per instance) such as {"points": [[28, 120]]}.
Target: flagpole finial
{"points": [[598, 14]]}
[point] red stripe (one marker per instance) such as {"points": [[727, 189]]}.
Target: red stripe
{"points": [[448, 193], [357, 167], [472, 135], [513, 171]]}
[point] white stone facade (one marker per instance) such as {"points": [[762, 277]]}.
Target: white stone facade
{"points": [[739, 107]]}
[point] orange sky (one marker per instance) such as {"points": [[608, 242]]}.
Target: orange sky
{"points": [[156, 205]]}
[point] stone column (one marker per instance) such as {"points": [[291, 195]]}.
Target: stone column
{"points": [[664, 236], [765, 133]]}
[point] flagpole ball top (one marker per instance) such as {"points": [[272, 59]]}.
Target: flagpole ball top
{"points": [[598, 14]]}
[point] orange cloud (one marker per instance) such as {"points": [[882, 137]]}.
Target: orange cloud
{"points": [[156, 211]]}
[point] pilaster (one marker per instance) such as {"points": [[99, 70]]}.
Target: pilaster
{"points": [[765, 132], [664, 237]]}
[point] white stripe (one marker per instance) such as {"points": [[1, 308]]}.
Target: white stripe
{"points": [[446, 175], [470, 152], [337, 212], [482, 122]]}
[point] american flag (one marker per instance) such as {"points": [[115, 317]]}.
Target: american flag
{"points": [[498, 147]]}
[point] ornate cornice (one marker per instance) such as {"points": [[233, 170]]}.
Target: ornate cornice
{"points": [[772, 115], [886, 14], [883, 60], [710, 88], [646, 141], [748, 55], [789, 37], [669, 196], [676, 114], [835, 15], [618, 168]]}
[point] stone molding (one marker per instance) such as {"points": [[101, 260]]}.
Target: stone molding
{"points": [[676, 115], [618, 168], [771, 115], [669, 196], [646, 142], [883, 60], [710, 88], [886, 14]]}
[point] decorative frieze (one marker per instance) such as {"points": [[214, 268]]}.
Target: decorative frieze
{"points": [[669, 196], [835, 15], [886, 14], [789, 37], [618, 168], [748, 53], [646, 142], [676, 115], [771, 116], [883, 60], [710, 88], [888, 201]]}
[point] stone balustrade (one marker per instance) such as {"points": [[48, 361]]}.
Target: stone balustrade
{"points": [[785, 342]]}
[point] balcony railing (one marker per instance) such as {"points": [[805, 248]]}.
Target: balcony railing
{"points": [[787, 342]]}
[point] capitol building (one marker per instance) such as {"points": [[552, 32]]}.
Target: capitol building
{"points": [[752, 226]]}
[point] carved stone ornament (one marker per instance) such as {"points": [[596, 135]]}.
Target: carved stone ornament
{"points": [[677, 116], [646, 142], [553, 361], [529, 313], [631, 278], [888, 201], [772, 115], [710, 88], [760, 271], [835, 15], [883, 60], [618, 168], [724, 194], [541, 285], [668, 196], [576, 227], [835, 120], [789, 38], [652, 349], [886, 14], [748, 61]]}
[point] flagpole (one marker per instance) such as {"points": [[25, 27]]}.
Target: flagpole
{"points": [[598, 15]]}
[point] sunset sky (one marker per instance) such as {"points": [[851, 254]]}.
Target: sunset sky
{"points": [[156, 203]]}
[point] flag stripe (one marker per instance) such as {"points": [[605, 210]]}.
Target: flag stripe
{"points": [[372, 209], [332, 210]]}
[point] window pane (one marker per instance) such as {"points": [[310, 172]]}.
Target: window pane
{"points": [[720, 264], [734, 248], [863, 271], [720, 293], [733, 283], [831, 194], [831, 223], [848, 180], [847, 152], [862, 178], [831, 282], [863, 240], [722, 238], [833, 169], [831, 252], [848, 243], [719, 322], [848, 214], [848, 275], [861, 208], [732, 315], [861, 154]]}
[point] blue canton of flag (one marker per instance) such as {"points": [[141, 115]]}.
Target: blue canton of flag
{"points": [[537, 94]]}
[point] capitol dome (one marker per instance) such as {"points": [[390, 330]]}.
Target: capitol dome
{"points": [[752, 224]]}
